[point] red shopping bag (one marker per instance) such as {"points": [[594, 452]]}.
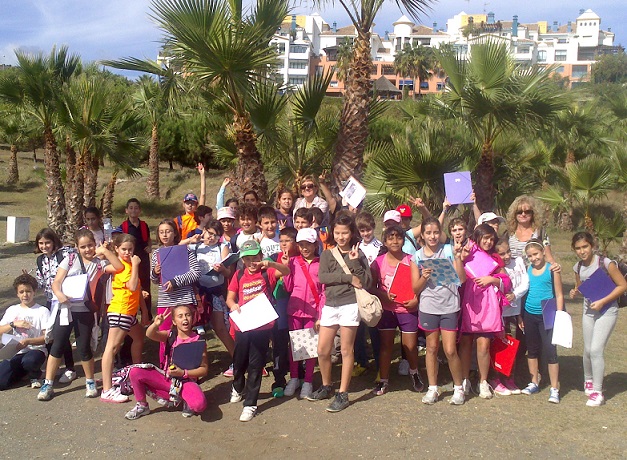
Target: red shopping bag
{"points": [[503, 354]]}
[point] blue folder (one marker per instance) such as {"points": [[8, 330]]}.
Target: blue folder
{"points": [[174, 261], [549, 307]]}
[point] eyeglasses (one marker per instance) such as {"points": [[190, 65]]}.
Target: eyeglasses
{"points": [[211, 234], [307, 186], [524, 211]]}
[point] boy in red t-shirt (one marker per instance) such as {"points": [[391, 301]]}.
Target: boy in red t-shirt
{"points": [[258, 277]]}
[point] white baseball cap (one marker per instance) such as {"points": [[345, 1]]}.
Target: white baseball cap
{"points": [[307, 234], [226, 213], [392, 215], [488, 216]]}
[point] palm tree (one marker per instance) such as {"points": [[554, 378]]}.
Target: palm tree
{"points": [[491, 94], [344, 57], [14, 131], [218, 46], [36, 88], [414, 62], [353, 134]]}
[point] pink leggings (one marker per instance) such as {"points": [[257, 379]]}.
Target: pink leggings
{"points": [[310, 364], [165, 326], [152, 379]]}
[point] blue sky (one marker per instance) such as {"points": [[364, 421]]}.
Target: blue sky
{"points": [[112, 29]]}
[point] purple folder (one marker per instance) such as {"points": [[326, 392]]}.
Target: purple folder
{"points": [[174, 261], [596, 287], [458, 187], [479, 263], [549, 307]]}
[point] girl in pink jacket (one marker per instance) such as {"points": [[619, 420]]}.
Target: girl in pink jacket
{"points": [[303, 308]]}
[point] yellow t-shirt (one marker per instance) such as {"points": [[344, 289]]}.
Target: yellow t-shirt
{"points": [[124, 301], [189, 224]]}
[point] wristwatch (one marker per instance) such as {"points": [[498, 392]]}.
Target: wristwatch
{"points": [[12, 324]]}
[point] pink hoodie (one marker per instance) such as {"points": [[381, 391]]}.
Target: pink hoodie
{"points": [[302, 303]]}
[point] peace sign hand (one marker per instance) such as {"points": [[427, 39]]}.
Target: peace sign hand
{"points": [[354, 252]]}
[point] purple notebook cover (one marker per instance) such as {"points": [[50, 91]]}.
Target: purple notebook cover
{"points": [[597, 286], [458, 187], [479, 263], [549, 307], [174, 260]]}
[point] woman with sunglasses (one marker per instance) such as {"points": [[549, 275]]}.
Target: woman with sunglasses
{"points": [[523, 225], [310, 198]]}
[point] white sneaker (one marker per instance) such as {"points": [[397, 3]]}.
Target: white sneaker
{"points": [[458, 398], [90, 390], [306, 390], [291, 387], [248, 413], [466, 387], [554, 396], [67, 376], [431, 397], [595, 399], [113, 395], [403, 367], [485, 391], [235, 396], [35, 383]]}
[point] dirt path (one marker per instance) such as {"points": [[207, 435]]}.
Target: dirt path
{"points": [[393, 425]]}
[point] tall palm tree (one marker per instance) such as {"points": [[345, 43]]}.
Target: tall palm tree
{"points": [[39, 82], [221, 46], [353, 134], [14, 130], [416, 63], [491, 94], [344, 58]]}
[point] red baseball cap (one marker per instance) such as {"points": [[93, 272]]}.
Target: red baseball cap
{"points": [[404, 210]]}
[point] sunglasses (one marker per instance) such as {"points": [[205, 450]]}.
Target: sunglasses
{"points": [[307, 187], [525, 211]]}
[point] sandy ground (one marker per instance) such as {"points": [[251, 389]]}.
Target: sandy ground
{"points": [[393, 425]]}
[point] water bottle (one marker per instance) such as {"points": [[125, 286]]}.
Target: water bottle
{"points": [[108, 229]]}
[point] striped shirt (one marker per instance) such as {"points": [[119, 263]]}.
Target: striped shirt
{"points": [[183, 292]]}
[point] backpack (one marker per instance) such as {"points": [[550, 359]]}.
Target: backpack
{"points": [[143, 228], [264, 274], [622, 267], [40, 261]]}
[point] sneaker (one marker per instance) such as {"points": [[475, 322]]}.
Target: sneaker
{"points": [[511, 386], [485, 391], [90, 390], [554, 396], [431, 397], [340, 402], [531, 389], [291, 387], [458, 398], [380, 389], [499, 388], [187, 412], [416, 382], [595, 399], [306, 390], [228, 372], [138, 411], [323, 392], [359, 370], [422, 351], [588, 388], [35, 383], [403, 367], [113, 395], [277, 392], [248, 413], [235, 396], [264, 373], [67, 376], [46, 393], [466, 386]]}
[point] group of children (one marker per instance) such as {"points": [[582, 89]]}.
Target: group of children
{"points": [[311, 275]]}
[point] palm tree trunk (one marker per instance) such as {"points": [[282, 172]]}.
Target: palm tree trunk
{"points": [[77, 195], [353, 134], [91, 179], [70, 168], [624, 248], [485, 179], [107, 197], [249, 173], [152, 186], [13, 176], [55, 200], [570, 156]]}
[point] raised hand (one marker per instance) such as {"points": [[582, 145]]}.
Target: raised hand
{"points": [[354, 252], [226, 181], [135, 260], [417, 202], [201, 169]]}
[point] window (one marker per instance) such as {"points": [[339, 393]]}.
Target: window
{"points": [[424, 85], [281, 48], [298, 64], [562, 40], [524, 49], [541, 56], [334, 84], [440, 86], [298, 49], [579, 71], [560, 69], [388, 70], [560, 55], [297, 80]]}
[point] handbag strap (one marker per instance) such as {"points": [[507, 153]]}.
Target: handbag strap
{"points": [[310, 281], [340, 260]]}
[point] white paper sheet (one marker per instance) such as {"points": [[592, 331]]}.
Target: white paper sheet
{"points": [[254, 314], [9, 349], [354, 193], [562, 330], [74, 287], [304, 343]]}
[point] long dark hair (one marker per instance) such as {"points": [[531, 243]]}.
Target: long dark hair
{"points": [[347, 219], [484, 230], [48, 234]]}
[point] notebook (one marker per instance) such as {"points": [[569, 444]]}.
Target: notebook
{"points": [[458, 187], [596, 287], [174, 261], [189, 355], [549, 307], [479, 263], [401, 285], [444, 273]]}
